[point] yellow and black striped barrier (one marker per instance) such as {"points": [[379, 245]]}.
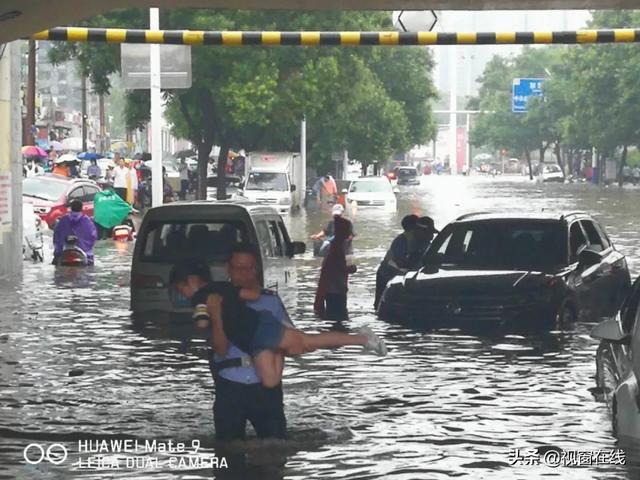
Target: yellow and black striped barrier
{"points": [[308, 39]]}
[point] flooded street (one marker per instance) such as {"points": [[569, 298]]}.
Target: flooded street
{"points": [[442, 404]]}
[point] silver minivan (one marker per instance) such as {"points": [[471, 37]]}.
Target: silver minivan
{"points": [[174, 232]]}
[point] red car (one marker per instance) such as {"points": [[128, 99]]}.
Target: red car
{"points": [[50, 195]]}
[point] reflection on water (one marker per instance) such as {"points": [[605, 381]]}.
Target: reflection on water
{"points": [[442, 404]]}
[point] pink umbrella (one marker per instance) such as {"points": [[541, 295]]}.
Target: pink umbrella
{"points": [[32, 151]]}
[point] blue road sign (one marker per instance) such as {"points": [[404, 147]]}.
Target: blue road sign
{"points": [[523, 89]]}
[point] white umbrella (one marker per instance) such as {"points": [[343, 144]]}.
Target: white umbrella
{"points": [[75, 144], [55, 145], [67, 157]]}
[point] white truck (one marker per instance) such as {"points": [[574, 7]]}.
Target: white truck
{"points": [[275, 179]]}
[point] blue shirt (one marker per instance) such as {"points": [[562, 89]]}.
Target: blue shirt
{"points": [[269, 301]]}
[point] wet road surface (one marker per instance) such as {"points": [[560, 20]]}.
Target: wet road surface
{"points": [[442, 404]]}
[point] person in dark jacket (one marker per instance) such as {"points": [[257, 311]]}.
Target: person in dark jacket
{"points": [[397, 258]]}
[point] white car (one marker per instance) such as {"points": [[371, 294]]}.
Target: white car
{"points": [[550, 173], [618, 365], [371, 192]]}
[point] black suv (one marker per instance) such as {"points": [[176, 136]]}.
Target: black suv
{"points": [[539, 271]]}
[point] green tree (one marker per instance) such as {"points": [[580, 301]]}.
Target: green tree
{"points": [[371, 101]]}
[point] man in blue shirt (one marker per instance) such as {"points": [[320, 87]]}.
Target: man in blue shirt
{"points": [[240, 396]]}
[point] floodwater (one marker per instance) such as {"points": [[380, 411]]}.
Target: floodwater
{"points": [[75, 369]]}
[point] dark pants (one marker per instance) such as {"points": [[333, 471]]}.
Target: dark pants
{"points": [[236, 403], [122, 193], [336, 306], [184, 188]]}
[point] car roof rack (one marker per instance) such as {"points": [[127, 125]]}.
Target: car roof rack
{"points": [[570, 214], [467, 215]]}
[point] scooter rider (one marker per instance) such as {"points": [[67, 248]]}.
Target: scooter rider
{"points": [[77, 224]]}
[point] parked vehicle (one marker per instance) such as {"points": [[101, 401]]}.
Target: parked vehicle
{"points": [[618, 365], [367, 192], [549, 173], [51, 194], [408, 176], [392, 177], [32, 240], [171, 233], [232, 183], [273, 179], [512, 271]]}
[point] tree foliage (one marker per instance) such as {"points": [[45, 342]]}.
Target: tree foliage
{"points": [[370, 101], [591, 98]]}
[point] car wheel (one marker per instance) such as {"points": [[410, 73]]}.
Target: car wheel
{"points": [[565, 316]]}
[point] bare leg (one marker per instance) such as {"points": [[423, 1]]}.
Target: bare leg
{"points": [[269, 367], [295, 342]]}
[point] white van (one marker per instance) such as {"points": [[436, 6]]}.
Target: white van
{"points": [[174, 232]]}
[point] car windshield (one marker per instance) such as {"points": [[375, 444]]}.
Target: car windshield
{"points": [[43, 188], [370, 186], [407, 172], [267, 181], [170, 242], [506, 245]]}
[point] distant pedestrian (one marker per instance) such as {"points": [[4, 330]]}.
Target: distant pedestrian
{"points": [[93, 170], [184, 179], [120, 173], [132, 183], [32, 168], [61, 168]]}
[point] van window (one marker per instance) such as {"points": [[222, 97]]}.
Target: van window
{"points": [[264, 238], [276, 240], [175, 241]]}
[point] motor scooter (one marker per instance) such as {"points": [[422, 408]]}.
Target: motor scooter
{"points": [[72, 255]]}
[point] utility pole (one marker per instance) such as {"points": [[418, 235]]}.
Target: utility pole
{"points": [[156, 113], [83, 88], [103, 132], [30, 119]]}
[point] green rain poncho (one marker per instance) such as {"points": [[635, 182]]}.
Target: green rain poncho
{"points": [[109, 209]]}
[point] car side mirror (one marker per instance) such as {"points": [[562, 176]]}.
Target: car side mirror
{"points": [[588, 257], [611, 330], [296, 248], [344, 191], [432, 264], [293, 188], [396, 190]]}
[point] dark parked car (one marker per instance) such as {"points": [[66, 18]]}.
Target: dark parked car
{"points": [[539, 271], [618, 365], [407, 176]]}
